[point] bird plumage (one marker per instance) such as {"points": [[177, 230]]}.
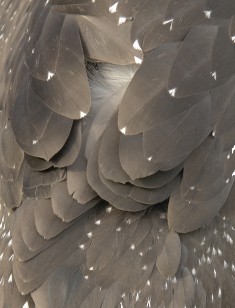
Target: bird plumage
{"points": [[117, 153]]}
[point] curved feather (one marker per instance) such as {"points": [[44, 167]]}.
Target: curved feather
{"points": [[106, 32], [58, 92], [146, 83], [204, 43]]}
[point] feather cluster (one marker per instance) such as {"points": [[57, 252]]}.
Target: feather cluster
{"points": [[117, 153]]}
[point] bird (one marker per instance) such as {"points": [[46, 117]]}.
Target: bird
{"points": [[117, 153]]}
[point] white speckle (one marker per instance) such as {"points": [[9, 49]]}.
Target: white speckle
{"points": [[203, 241], [91, 268], [141, 254], [233, 38], [10, 278], [35, 141], [2, 281], [136, 45], [233, 267], [214, 252], [33, 50], [1, 256], [228, 156], [233, 174], [128, 222], [109, 209], [123, 130], [47, 2], [192, 187], [214, 75], [229, 239], [11, 258], [233, 149], [138, 60], [122, 20], [113, 8], [8, 234], [9, 243], [169, 21], [123, 295], [98, 222], [227, 181], [203, 259], [86, 277], [219, 293], [149, 158], [219, 252], [174, 280], [89, 234], [208, 14], [172, 92], [118, 229], [149, 302], [208, 260], [208, 250], [49, 75], [148, 283], [215, 273], [144, 268], [82, 114], [193, 271], [132, 247], [213, 133], [82, 246], [225, 264]]}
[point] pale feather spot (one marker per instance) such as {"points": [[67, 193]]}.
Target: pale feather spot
{"points": [[109, 209], [123, 130], [82, 114], [50, 75], [172, 92], [136, 45], [132, 247], [10, 279], [89, 234], [138, 60], [122, 20], [207, 14], [113, 8], [214, 75]]}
